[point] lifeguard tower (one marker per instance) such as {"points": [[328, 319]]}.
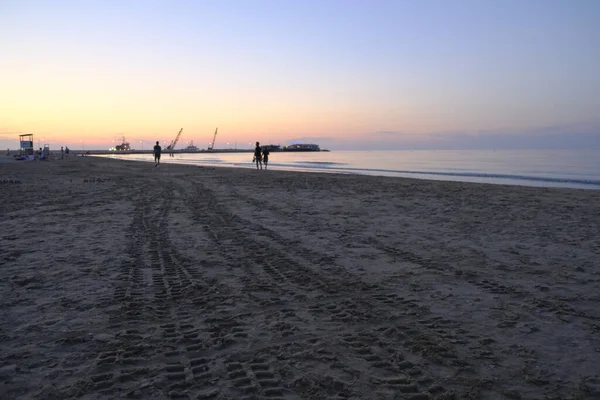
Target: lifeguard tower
{"points": [[26, 142]]}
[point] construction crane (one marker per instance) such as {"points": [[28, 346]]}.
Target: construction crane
{"points": [[174, 142], [212, 145]]}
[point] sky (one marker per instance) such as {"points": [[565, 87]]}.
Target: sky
{"points": [[345, 74]]}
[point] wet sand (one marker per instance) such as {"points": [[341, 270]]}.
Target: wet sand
{"points": [[120, 280]]}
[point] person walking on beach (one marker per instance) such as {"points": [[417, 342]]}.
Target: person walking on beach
{"points": [[258, 155], [265, 154], [62, 153], [157, 151], [67, 151]]}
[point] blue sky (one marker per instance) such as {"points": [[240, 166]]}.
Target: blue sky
{"points": [[352, 74]]}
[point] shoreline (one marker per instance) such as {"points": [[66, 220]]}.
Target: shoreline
{"points": [[502, 178], [433, 175], [317, 173], [121, 279]]}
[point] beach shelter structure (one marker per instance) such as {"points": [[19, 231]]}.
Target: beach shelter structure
{"points": [[26, 143]]}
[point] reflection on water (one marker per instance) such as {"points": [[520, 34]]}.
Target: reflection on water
{"points": [[562, 168]]}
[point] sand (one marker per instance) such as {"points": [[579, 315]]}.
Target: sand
{"points": [[121, 280]]}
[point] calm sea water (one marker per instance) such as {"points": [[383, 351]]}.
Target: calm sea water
{"points": [[547, 168]]}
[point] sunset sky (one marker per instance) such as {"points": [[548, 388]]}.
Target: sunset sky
{"points": [[346, 74]]}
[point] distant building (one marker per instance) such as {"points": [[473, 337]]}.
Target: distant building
{"points": [[302, 147]]}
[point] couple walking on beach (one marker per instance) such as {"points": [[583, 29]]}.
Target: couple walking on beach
{"points": [[261, 156], [64, 153]]}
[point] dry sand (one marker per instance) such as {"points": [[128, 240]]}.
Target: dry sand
{"points": [[120, 280]]}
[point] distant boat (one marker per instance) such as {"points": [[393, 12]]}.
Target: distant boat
{"points": [[302, 147], [191, 147], [271, 147], [124, 146]]}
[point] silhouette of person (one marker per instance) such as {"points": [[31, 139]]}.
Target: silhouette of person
{"points": [[258, 155], [265, 155], [157, 151]]}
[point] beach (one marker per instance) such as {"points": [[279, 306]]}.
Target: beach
{"points": [[122, 280]]}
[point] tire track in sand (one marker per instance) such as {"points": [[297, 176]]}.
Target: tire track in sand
{"points": [[298, 281], [436, 337]]}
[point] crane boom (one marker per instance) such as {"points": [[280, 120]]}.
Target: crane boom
{"points": [[212, 145], [174, 142]]}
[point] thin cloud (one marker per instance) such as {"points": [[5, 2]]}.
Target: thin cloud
{"points": [[10, 135], [388, 133], [312, 139]]}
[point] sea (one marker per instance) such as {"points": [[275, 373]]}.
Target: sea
{"points": [[542, 168]]}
